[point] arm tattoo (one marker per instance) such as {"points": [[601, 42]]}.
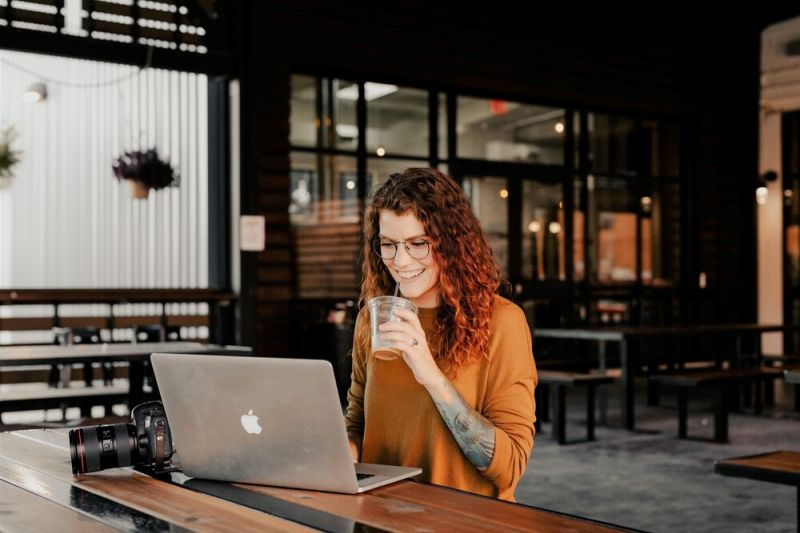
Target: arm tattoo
{"points": [[472, 431]]}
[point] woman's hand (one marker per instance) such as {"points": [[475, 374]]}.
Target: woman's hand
{"points": [[408, 336]]}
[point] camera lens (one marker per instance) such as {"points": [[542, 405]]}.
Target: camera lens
{"points": [[94, 448]]}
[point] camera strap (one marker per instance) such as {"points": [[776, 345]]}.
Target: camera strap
{"points": [[159, 445]]}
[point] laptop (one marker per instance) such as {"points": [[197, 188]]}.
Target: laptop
{"points": [[265, 421]]}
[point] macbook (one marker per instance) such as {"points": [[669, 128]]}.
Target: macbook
{"points": [[261, 420]]}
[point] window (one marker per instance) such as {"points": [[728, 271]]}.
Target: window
{"points": [[498, 130]]}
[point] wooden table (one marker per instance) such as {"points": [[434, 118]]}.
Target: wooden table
{"points": [[134, 353], [624, 335], [38, 492], [775, 467]]}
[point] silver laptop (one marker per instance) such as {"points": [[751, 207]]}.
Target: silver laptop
{"points": [[264, 421]]}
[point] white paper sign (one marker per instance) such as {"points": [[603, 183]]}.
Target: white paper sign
{"points": [[252, 233]]}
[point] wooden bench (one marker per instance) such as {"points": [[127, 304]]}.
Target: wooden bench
{"points": [[720, 380], [83, 397], [559, 382]]}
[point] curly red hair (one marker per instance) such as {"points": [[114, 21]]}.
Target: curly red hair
{"points": [[469, 277]]}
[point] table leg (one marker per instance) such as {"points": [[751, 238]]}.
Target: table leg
{"points": [[602, 394], [627, 386]]}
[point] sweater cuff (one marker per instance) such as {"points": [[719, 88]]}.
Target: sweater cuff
{"points": [[501, 457]]}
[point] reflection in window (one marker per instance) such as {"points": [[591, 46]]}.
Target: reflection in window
{"points": [[303, 111], [612, 223], [337, 103], [499, 130], [489, 199], [616, 257], [611, 144], [542, 232], [660, 220], [397, 120], [379, 170], [324, 189], [324, 214], [578, 228]]}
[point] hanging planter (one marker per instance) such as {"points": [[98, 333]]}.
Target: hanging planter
{"points": [[8, 156], [144, 171]]}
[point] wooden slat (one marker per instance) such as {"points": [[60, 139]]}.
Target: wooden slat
{"points": [[188, 320], [133, 321], [149, 33], [34, 17], [22, 509], [45, 466], [84, 321], [144, 13], [114, 296], [26, 323]]}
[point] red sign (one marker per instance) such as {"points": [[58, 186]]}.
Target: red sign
{"points": [[498, 107]]}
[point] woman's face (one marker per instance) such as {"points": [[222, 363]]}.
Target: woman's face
{"points": [[418, 278]]}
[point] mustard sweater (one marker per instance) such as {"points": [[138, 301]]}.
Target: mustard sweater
{"points": [[401, 425]]}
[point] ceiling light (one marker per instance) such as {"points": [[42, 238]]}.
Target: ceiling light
{"points": [[372, 91], [761, 195], [559, 127], [381, 151], [36, 92], [503, 193]]}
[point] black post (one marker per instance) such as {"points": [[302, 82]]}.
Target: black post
{"points": [[683, 411], [590, 411], [721, 413], [560, 414]]}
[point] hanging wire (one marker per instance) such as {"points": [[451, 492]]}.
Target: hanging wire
{"points": [[106, 83]]}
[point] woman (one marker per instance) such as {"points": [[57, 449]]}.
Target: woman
{"points": [[459, 403]]}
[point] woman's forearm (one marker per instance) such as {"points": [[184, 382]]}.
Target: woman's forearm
{"points": [[473, 432]]}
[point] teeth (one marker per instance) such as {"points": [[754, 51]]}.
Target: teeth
{"points": [[409, 275]]}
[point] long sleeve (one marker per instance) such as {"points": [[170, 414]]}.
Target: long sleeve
{"points": [[354, 419], [509, 403]]}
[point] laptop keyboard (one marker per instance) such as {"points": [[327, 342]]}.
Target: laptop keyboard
{"points": [[363, 476]]}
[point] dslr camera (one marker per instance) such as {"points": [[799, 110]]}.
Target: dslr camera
{"points": [[145, 441]]}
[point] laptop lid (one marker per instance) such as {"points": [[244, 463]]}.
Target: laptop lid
{"points": [[256, 420]]}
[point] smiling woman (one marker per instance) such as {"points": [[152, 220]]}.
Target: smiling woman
{"points": [[459, 403]]}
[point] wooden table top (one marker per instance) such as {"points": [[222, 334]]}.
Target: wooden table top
{"points": [[33, 354], [776, 467], [38, 491]]}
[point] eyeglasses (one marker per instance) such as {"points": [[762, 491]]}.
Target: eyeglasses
{"points": [[416, 248]]}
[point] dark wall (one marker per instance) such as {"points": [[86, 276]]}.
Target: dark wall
{"points": [[703, 73]]}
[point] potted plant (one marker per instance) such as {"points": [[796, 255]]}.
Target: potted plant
{"points": [[8, 156], [144, 170]]}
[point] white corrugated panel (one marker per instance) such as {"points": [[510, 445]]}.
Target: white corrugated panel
{"points": [[65, 221]]}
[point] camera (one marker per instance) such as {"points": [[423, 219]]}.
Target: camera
{"points": [[145, 441]]}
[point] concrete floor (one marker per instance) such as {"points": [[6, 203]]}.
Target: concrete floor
{"points": [[651, 480]]}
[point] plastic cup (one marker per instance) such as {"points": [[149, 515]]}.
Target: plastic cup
{"points": [[382, 309]]}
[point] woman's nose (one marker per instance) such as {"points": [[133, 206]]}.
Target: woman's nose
{"points": [[402, 257]]}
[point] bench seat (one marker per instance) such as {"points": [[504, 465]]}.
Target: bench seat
{"points": [[558, 382], [720, 380], [83, 397]]}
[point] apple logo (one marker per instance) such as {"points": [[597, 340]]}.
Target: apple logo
{"points": [[250, 423]]}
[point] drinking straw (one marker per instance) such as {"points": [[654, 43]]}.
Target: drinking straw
{"points": [[396, 288]]}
